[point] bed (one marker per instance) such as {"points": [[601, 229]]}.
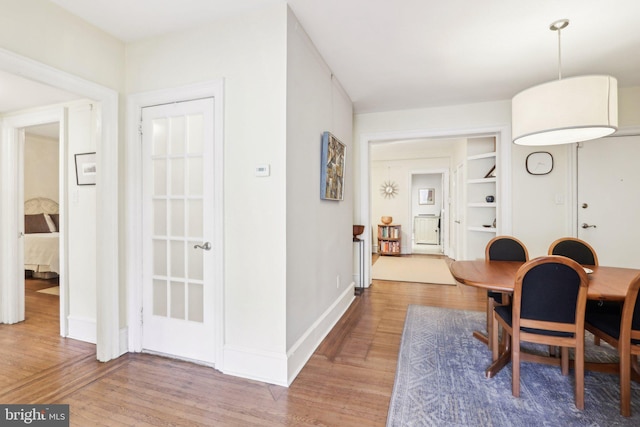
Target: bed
{"points": [[41, 238]]}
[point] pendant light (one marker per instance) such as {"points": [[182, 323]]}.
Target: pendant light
{"points": [[566, 110]]}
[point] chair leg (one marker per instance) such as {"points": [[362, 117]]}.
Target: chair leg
{"points": [[625, 383], [596, 340], [579, 373], [490, 321], [515, 368], [564, 360], [494, 337]]}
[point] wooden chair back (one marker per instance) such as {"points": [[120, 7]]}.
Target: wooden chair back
{"points": [[506, 248], [549, 299], [576, 249], [550, 294]]}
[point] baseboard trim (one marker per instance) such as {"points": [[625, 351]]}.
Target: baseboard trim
{"points": [[82, 329], [280, 368], [303, 349], [124, 341], [265, 366]]}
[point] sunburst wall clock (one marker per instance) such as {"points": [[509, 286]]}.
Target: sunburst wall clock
{"points": [[389, 189]]}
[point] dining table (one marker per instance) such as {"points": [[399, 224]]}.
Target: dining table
{"points": [[605, 284]]}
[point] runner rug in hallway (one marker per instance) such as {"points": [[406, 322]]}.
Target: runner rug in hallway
{"points": [[412, 269]]}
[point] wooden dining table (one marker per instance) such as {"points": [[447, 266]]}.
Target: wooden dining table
{"points": [[605, 283]]}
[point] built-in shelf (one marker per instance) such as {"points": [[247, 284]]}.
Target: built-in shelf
{"points": [[481, 162], [483, 229], [482, 156], [481, 181], [482, 205]]}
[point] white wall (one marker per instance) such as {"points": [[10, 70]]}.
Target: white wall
{"points": [[81, 226], [250, 53], [537, 218], [284, 247], [319, 234], [41, 159], [40, 30]]}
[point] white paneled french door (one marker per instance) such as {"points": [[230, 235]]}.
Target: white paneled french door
{"points": [[178, 227]]}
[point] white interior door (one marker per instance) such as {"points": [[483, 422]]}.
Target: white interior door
{"points": [[608, 202], [178, 217]]}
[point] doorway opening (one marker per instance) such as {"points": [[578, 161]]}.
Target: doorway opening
{"points": [[109, 340], [41, 198], [428, 190], [394, 141]]}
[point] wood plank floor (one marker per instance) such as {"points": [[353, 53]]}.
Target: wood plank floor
{"points": [[347, 382]]}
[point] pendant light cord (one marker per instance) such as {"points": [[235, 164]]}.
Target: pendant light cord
{"points": [[558, 26], [559, 55]]}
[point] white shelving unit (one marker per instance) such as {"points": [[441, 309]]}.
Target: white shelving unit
{"points": [[481, 215]]}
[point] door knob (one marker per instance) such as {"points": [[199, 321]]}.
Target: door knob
{"points": [[585, 225], [206, 246], [585, 206]]}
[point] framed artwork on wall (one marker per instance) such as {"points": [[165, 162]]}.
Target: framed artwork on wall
{"points": [[86, 168], [332, 168], [426, 196]]}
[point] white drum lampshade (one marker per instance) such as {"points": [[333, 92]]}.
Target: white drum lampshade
{"points": [[565, 111]]}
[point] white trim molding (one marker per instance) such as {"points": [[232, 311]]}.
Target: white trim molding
{"points": [[107, 280], [134, 256], [82, 328]]}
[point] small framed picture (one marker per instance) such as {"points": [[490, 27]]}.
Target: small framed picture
{"points": [[86, 169], [426, 196]]}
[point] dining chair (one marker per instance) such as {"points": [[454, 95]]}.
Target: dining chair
{"points": [[576, 249], [501, 248], [583, 253], [549, 298], [623, 333]]}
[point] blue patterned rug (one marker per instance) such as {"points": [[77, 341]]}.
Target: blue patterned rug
{"points": [[440, 381]]}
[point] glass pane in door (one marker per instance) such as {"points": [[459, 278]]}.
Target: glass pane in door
{"points": [[178, 217]]}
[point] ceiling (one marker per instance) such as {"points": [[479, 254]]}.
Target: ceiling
{"points": [[402, 54]]}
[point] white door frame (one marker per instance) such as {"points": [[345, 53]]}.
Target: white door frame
{"points": [[13, 126], [503, 137], [458, 208], [108, 345], [135, 103]]}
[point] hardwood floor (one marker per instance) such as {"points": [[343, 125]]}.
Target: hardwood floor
{"points": [[347, 382]]}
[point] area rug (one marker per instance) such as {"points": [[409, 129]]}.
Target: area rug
{"points": [[412, 269], [55, 290], [440, 381]]}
